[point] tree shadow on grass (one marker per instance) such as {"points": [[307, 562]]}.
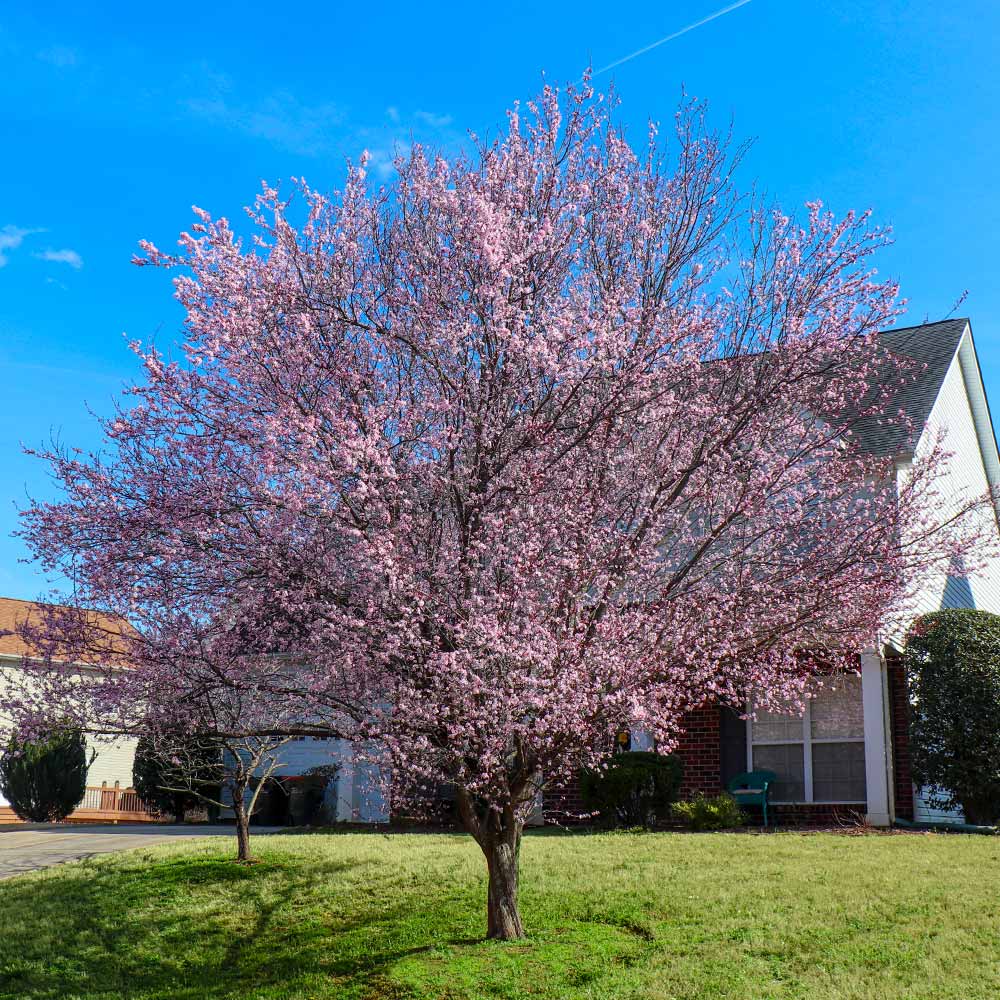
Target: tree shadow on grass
{"points": [[203, 928]]}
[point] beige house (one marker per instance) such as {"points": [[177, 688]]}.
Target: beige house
{"points": [[109, 779], [109, 795]]}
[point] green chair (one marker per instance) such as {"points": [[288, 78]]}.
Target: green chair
{"points": [[751, 788]]}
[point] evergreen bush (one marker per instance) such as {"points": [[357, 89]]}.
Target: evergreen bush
{"points": [[635, 789], [45, 780], [952, 662]]}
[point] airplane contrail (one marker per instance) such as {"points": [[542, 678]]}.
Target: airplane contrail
{"points": [[669, 38]]}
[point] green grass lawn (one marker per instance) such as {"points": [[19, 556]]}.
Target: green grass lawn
{"points": [[390, 917]]}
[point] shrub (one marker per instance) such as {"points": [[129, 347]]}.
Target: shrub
{"points": [[952, 662], [635, 789], [44, 781], [703, 813], [167, 774]]}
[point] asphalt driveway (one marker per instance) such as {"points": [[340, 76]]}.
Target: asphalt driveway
{"points": [[25, 847]]}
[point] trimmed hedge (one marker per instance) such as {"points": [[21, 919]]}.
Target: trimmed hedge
{"points": [[952, 662], [635, 789]]}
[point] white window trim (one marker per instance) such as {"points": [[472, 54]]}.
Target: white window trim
{"points": [[806, 742]]}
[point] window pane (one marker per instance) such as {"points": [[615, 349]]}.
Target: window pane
{"points": [[787, 763], [835, 712], [838, 772], [767, 727]]}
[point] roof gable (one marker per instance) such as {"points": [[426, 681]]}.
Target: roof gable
{"points": [[933, 347], [979, 406]]}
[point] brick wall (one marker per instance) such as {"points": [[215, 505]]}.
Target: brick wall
{"points": [[700, 748], [564, 805], [814, 814], [899, 727]]}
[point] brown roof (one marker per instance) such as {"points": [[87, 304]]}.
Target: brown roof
{"points": [[15, 613]]}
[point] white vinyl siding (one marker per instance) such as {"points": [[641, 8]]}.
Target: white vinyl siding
{"points": [[113, 762], [925, 812], [965, 479]]}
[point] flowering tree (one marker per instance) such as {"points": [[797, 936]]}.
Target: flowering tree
{"points": [[536, 444], [208, 770]]}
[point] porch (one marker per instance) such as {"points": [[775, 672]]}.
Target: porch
{"points": [[846, 758]]}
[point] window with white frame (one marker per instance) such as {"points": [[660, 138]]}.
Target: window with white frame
{"points": [[818, 755]]}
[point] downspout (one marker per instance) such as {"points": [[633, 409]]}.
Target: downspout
{"points": [[890, 747]]}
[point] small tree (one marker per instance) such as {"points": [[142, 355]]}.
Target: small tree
{"points": [[952, 663], [45, 780], [153, 774], [205, 769]]}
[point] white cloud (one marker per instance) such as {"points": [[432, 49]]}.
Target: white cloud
{"points": [[60, 56], [433, 119], [278, 117], [11, 237], [382, 159], [70, 257], [318, 128]]}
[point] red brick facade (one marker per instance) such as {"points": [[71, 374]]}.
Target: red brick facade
{"points": [[817, 814], [564, 806], [700, 749]]}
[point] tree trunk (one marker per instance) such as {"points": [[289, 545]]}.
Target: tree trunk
{"points": [[502, 856], [242, 822], [498, 835]]}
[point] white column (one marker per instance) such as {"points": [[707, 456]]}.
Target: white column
{"points": [[537, 817], [873, 702], [370, 803], [345, 782]]}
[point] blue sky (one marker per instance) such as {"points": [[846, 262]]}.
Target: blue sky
{"points": [[116, 118]]}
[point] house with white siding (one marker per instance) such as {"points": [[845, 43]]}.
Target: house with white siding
{"points": [[847, 755], [959, 411], [350, 794]]}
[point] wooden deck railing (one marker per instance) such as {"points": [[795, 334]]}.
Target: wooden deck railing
{"points": [[112, 804], [102, 805]]}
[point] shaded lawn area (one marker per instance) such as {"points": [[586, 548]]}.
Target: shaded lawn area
{"points": [[399, 917]]}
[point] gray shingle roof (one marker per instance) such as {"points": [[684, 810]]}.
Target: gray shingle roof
{"points": [[932, 346]]}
